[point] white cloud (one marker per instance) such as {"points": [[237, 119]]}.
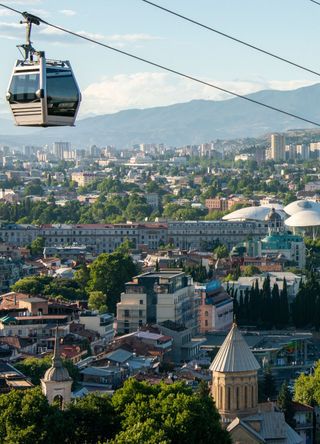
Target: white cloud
{"points": [[55, 35], [5, 12], [23, 2], [147, 89], [67, 12]]}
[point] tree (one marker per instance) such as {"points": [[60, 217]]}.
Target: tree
{"points": [[31, 284], [82, 275], [268, 387], [96, 300], [93, 418], [35, 368], [51, 287], [221, 251], [37, 246], [251, 270], [284, 402], [109, 273], [25, 417], [34, 189], [166, 414], [307, 388]]}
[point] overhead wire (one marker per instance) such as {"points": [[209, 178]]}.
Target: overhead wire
{"points": [[171, 70], [314, 1], [235, 39]]}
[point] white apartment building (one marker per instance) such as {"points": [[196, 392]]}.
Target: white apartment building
{"points": [[156, 297], [100, 323]]}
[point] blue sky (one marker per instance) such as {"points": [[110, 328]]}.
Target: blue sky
{"points": [[111, 82]]}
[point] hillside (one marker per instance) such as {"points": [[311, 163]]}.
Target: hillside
{"points": [[184, 123]]}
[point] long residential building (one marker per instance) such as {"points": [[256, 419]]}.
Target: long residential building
{"points": [[100, 238]]}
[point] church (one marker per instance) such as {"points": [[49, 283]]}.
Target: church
{"points": [[235, 392]]}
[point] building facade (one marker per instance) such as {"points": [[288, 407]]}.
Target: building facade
{"points": [[215, 309], [155, 297], [104, 238]]}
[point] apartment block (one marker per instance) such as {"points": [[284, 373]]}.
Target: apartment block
{"points": [[156, 297]]}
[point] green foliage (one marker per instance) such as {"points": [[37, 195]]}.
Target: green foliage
{"points": [[167, 414], [138, 414], [34, 188], [31, 284], [306, 305], [50, 287], [307, 388], [93, 420], [82, 275], [268, 386], [108, 274], [96, 300], [264, 308], [35, 368], [284, 402], [221, 251], [37, 246], [24, 418], [251, 270]]}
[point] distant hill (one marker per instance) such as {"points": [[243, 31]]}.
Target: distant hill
{"points": [[183, 123]]}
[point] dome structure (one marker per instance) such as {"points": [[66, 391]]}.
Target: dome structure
{"points": [[308, 221], [303, 219], [301, 205], [57, 372], [252, 213]]}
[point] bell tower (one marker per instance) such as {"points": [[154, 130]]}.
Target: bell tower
{"points": [[235, 377], [56, 383]]}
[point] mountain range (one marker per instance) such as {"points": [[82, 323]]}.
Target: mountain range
{"points": [[193, 122]]}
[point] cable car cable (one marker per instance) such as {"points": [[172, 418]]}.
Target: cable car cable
{"points": [[242, 42], [11, 9], [314, 1], [174, 71]]}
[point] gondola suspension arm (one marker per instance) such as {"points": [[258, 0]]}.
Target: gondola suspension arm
{"points": [[28, 49]]}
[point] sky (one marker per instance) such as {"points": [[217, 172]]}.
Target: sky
{"points": [[112, 82]]}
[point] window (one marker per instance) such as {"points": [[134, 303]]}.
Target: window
{"points": [[229, 398], [23, 88], [246, 397], [141, 301], [206, 313], [126, 313], [140, 313], [62, 92], [237, 397], [206, 323]]}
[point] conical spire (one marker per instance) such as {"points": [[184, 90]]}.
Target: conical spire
{"points": [[234, 355]]}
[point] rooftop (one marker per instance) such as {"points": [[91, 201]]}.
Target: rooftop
{"points": [[234, 355]]}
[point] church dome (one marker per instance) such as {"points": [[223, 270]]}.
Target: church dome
{"points": [[57, 374]]}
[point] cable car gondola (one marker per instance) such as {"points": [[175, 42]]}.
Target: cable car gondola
{"points": [[42, 92]]}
